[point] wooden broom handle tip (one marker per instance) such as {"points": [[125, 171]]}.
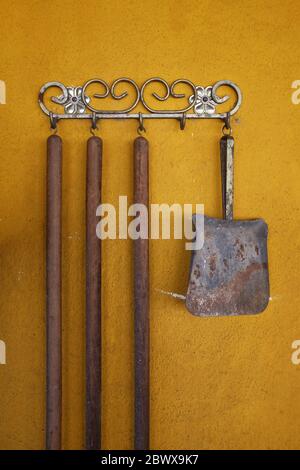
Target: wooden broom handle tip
{"points": [[54, 138]]}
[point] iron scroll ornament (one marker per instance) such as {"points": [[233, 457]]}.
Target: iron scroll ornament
{"points": [[201, 103]]}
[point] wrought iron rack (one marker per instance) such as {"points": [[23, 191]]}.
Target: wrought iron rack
{"points": [[201, 103]]}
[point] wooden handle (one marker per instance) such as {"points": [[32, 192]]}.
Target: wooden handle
{"points": [[141, 301], [93, 296], [53, 286]]}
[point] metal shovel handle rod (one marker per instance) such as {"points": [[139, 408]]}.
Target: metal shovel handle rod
{"points": [[53, 293], [141, 300], [227, 170], [93, 296]]}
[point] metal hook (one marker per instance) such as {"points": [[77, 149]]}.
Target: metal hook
{"points": [[53, 122], [141, 127], [94, 123], [227, 129], [183, 121], [227, 121]]}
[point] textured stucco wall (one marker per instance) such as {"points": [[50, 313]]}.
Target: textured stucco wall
{"points": [[215, 383]]}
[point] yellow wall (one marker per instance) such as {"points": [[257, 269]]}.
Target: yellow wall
{"points": [[215, 383]]}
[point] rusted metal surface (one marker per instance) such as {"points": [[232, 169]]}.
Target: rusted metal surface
{"points": [[141, 301], [93, 296], [229, 274], [53, 292]]}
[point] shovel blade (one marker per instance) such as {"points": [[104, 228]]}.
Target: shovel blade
{"points": [[229, 274]]}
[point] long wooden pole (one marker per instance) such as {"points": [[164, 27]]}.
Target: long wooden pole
{"points": [[53, 287], [93, 296], [141, 300]]}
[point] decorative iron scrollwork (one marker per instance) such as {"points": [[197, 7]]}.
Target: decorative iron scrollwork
{"points": [[201, 102]]}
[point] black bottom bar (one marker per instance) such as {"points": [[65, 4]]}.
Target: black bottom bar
{"points": [[135, 459]]}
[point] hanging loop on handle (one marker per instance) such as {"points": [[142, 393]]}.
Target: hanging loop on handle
{"points": [[227, 129], [94, 126], [53, 122], [227, 154], [141, 127]]}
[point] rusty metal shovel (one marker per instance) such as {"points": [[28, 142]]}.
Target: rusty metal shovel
{"points": [[229, 274]]}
